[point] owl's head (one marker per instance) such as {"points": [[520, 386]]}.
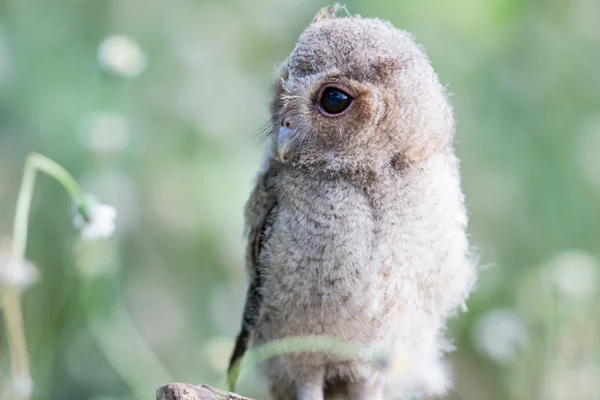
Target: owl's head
{"points": [[357, 94]]}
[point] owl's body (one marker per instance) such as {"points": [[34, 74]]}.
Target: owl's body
{"points": [[357, 221]]}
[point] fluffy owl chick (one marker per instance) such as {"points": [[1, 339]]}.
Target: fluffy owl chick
{"points": [[357, 224]]}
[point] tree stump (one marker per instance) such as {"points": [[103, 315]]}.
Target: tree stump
{"points": [[185, 391]]}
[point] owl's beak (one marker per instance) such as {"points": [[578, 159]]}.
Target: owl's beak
{"points": [[284, 141]]}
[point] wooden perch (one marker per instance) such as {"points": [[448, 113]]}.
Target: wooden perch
{"points": [[185, 391]]}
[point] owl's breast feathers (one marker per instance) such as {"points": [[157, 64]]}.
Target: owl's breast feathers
{"points": [[328, 257]]}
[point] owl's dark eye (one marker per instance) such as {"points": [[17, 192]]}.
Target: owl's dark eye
{"points": [[334, 101]]}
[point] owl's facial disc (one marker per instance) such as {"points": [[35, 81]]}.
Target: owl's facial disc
{"points": [[332, 100]]}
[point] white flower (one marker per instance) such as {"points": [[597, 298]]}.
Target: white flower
{"points": [[122, 56], [500, 334], [575, 273], [22, 386], [101, 223], [17, 274]]}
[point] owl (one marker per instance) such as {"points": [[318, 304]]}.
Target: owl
{"points": [[357, 223]]}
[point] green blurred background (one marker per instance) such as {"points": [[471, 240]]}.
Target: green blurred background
{"points": [[161, 123]]}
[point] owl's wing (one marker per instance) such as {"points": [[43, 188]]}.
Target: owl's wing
{"points": [[259, 213]]}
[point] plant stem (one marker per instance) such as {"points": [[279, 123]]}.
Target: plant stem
{"points": [[12, 302], [19, 360], [34, 163], [22, 213]]}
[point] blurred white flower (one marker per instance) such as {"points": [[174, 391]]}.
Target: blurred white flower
{"points": [[115, 187], [105, 132], [22, 386], [101, 223], [500, 334], [122, 56], [17, 274], [575, 273]]}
